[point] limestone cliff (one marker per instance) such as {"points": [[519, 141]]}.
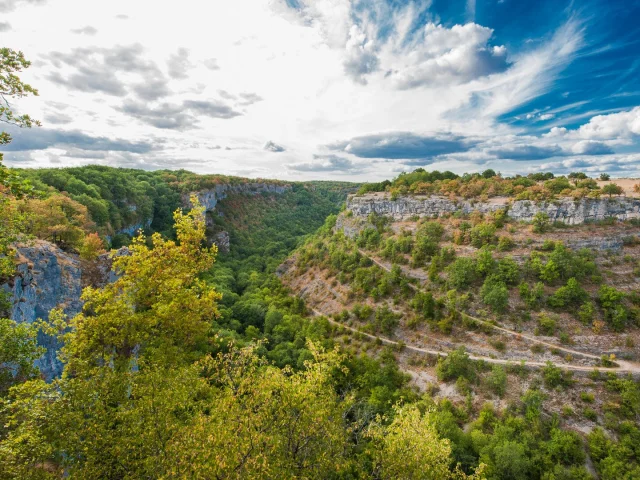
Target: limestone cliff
{"points": [[46, 278], [209, 198], [566, 210]]}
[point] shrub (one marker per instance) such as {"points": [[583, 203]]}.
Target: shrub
{"points": [[505, 243], [482, 234], [546, 325], [540, 222], [615, 313], [497, 380], [494, 293], [571, 295], [462, 273], [554, 376], [456, 364]]}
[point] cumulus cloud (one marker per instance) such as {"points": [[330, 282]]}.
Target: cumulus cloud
{"points": [[211, 108], [179, 64], [402, 146], [58, 118], [361, 58], [526, 152], [273, 147], [178, 116], [4, 27], [627, 165], [211, 64], [438, 55], [327, 163], [43, 138], [614, 126], [381, 38], [97, 69], [88, 30], [10, 5], [589, 147]]}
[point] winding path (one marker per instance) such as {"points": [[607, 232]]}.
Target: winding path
{"points": [[623, 366]]}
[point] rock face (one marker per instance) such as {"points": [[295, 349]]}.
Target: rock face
{"points": [[210, 198], [46, 278], [567, 210], [222, 241], [574, 212], [419, 205]]}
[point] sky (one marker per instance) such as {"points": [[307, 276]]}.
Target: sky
{"points": [[329, 89]]}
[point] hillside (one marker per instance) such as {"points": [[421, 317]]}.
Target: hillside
{"points": [[543, 297]]}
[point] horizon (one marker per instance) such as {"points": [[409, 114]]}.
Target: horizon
{"points": [[333, 90]]}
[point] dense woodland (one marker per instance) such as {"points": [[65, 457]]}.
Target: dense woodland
{"points": [[199, 364]]}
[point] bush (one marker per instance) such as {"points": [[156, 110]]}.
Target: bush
{"points": [[456, 364], [571, 295], [483, 234], [505, 243], [611, 301], [497, 380], [540, 222], [462, 273], [554, 376], [494, 293], [546, 325]]}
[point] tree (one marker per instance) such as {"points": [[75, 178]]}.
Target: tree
{"points": [[11, 222], [409, 448], [495, 294], [612, 189], [92, 246], [605, 177], [497, 380], [540, 222], [158, 302], [11, 63], [18, 352], [489, 173]]}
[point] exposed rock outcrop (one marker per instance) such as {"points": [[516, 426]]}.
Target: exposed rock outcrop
{"points": [[566, 210], [209, 198], [405, 207], [46, 278], [222, 241]]}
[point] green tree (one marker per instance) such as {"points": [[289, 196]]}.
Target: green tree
{"points": [[540, 222], [11, 87], [18, 352], [612, 189], [409, 448]]}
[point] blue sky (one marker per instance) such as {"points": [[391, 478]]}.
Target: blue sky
{"points": [[330, 89]]}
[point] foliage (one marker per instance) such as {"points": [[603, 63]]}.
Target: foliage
{"points": [[612, 302], [455, 365], [18, 352], [612, 189], [494, 293], [409, 448]]}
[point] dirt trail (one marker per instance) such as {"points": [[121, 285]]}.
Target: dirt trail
{"points": [[624, 366]]}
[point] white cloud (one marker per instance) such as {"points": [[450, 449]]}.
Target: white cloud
{"points": [[267, 71]]}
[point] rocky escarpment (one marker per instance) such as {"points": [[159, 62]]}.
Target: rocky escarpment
{"points": [[566, 210], [46, 278], [209, 198]]}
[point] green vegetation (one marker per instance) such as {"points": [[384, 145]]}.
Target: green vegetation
{"points": [[535, 186]]}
